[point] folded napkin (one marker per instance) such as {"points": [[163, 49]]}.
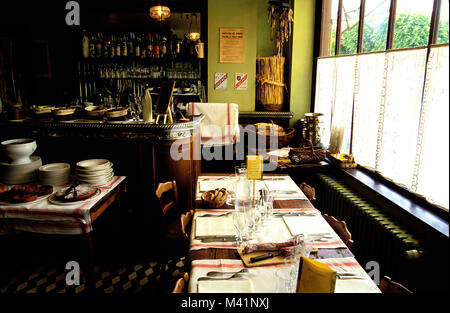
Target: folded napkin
{"points": [[311, 225], [307, 225], [225, 286], [214, 226], [350, 265]]}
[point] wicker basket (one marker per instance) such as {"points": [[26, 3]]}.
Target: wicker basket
{"points": [[307, 155], [270, 78], [283, 140], [212, 203]]}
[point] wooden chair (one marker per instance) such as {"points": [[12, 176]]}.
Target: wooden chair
{"points": [[309, 192], [167, 195], [389, 286], [340, 227], [185, 220], [181, 284]]}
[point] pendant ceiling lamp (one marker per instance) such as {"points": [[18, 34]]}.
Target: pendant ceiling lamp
{"points": [[159, 12], [193, 35]]}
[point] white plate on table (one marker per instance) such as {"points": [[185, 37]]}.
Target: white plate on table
{"points": [[53, 200]]}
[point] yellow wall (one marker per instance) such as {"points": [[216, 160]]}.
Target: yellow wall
{"points": [[252, 15], [232, 13], [302, 58]]}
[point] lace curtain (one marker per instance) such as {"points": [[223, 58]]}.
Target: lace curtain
{"points": [[391, 109]]}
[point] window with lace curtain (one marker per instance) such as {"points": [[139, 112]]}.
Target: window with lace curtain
{"points": [[382, 82]]}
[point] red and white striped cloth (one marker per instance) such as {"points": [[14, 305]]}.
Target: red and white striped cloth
{"points": [[220, 125], [263, 279], [47, 218]]}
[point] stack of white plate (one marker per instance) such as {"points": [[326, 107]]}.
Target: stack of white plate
{"points": [[54, 174], [94, 172]]}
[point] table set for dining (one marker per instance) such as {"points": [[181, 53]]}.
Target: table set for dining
{"points": [[279, 214]]}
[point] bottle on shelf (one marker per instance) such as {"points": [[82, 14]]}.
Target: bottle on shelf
{"points": [[92, 46], [85, 45], [137, 47], [150, 46], [112, 47], [156, 47], [124, 47], [98, 46], [164, 47], [118, 47], [144, 48], [131, 44], [106, 46]]}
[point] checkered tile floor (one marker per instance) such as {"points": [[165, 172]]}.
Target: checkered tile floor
{"points": [[130, 278]]}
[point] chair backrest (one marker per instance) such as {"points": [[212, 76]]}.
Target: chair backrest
{"points": [[340, 227], [186, 224], [162, 189], [181, 284], [389, 286], [309, 192]]}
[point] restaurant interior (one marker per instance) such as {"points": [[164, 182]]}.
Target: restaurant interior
{"points": [[239, 146]]}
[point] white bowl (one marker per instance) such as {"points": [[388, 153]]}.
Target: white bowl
{"points": [[93, 165], [19, 150]]}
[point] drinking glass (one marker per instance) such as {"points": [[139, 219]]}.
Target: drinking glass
{"points": [[240, 225], [282, 280]]}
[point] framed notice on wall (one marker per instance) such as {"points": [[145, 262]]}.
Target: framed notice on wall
{"points": [[232, 45]]}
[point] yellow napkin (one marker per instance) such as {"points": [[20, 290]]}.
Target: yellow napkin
{"points": [[315, 277]]}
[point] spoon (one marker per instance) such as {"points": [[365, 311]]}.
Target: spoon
{"points": [[218, 273]]}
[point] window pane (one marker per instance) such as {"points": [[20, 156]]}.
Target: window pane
{"points": [[349, 26], [329, 27], [412, 23], [433, 177], [405, 78], [343, 104], [443, 23], [325, 94], [367, 108], [376, 18]]}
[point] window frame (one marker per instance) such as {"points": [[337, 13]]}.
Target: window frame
{"points": [[321, 41]]}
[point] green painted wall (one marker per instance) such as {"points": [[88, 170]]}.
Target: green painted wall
{"points": [[232, 13], [252, 15], [302, 60], [265, 47]]}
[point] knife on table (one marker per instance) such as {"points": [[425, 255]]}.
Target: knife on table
{"points": [[263, 257]]}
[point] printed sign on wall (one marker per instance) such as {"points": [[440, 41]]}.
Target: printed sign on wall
{"points": [[241, 81], [220, 81], [232, 45]]}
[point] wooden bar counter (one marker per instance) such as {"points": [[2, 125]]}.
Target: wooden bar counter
{"points": [[140, 151]]}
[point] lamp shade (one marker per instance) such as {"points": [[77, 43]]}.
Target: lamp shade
{"points": [[159, 12], [194, 36]]}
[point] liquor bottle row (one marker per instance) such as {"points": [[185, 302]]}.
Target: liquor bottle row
{"points": [[137, 45]]}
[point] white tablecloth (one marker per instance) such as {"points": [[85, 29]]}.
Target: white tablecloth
{"points": [[47, 218], [262, 279]]}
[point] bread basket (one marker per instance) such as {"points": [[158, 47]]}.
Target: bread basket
{"points": [[217, 201]]}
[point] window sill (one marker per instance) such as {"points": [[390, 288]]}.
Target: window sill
{"points": [[432, 216]]}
